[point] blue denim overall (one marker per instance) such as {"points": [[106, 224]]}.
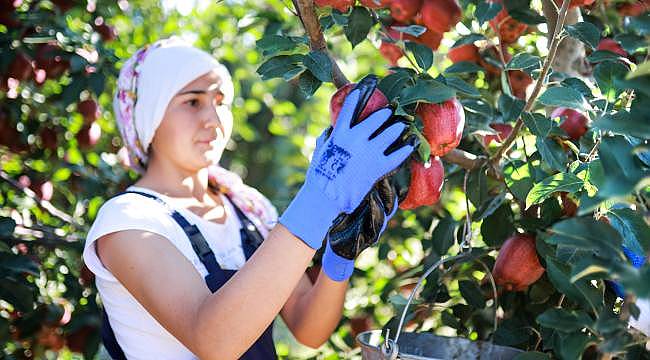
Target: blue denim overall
{"points": [[263, 348]]}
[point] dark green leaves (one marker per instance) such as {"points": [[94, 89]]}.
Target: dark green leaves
{"points": [[632, 227], [605, 73], [392, 85], [273, 44], [486, 10], [510, 107], [279, 65], [471, 293], [308, 84], [422, 53], [359, 23], [586, 234], [7, 226], [524, 61], [620, 165], [462, 86], [623, 123], [319, 64], [586, 32], [563, 96], [463, 67], [565, 182], [430, 91], [564, 320]]}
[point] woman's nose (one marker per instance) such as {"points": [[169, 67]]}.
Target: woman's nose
{"points": [[212, 117]]}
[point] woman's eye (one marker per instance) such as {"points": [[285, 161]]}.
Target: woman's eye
{"points": [[193, 102]]}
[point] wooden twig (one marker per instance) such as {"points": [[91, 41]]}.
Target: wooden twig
{"points": [[538, 84], [42, 203]]}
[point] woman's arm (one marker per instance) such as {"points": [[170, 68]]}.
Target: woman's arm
{"points": [[313, 311], [222, 325]]}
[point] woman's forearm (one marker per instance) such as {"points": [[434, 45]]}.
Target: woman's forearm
{"points": [[319, 311], [229, 321]]}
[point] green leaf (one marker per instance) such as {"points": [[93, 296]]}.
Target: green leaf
{"points": [[586, 234], [565, 182], [498, 226], [277, 66], [563, 96], [273, 44], [586, 32], [574, 344], [623, 123], [630, 42], [605, 73], [518, 178], [18, 265], [319, 64], [18, 294], [414, 30], [422, 53], [564, 320], [96, 82], [308, 84], [462, 86], [578, 85], [488, 207], [468, 39], [471, 293], [392, 85], [552, 153], [359, 23], [599, 56], [526, 15], [486, 10], [538, 124], [444, 235], [632, 227], [7, 226], [640, 24], [621, 166], [429, 91], [463, 67], [581, 292], [510, 107], [524, 61]]}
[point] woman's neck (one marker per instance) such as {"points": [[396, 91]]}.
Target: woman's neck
{"points": [[176, 183]]}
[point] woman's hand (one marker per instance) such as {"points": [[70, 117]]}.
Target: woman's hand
{"points": [[346, 166]]}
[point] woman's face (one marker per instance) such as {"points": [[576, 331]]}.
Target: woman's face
{"points": [[196, 126]]}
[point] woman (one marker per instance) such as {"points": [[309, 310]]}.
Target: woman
{"points": [[180, 266]]}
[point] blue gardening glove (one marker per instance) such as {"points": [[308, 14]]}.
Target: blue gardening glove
{"points": [[360, 230], [345, 167]]}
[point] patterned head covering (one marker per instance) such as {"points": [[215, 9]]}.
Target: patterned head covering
{"points": [[147, 82]]}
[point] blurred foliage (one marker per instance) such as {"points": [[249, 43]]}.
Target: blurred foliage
{"points": [[57, 171]]}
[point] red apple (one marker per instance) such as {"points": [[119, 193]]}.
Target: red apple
{"points": [[503, 131], [426, 184], [21, 67], [404, 10], [428, 38], [517, 266], [574, 123], [440, 15], [89, 135], [508, 29], [89, 109], [376, 4], [611, 45], [465, 52], [377, 100], [519, 82], [443, 125]]}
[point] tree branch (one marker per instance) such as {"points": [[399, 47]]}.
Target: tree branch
{"points": [[42, 203], [307, 15], [538, 84]]}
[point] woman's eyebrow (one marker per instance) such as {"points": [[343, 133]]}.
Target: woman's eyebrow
{"points": [[200, 91]]}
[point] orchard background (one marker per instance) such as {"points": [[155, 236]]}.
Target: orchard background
{"points": [[569, 188]]}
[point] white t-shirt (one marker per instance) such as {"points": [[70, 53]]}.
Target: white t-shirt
{"points": [[140, 336]]}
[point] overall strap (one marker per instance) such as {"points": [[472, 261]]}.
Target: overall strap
{"points": [[249, 231], [199, 244]]}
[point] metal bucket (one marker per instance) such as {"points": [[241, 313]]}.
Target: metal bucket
{"points": [[425, 346]]}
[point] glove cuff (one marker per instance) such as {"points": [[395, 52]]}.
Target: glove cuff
{"points": [[309, 216], [336, 267]]}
